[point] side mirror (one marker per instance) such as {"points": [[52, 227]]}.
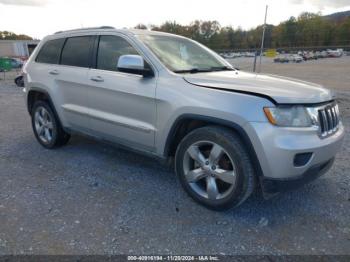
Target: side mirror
{"points": [[134, 64]]}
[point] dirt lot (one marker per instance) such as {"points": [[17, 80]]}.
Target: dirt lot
{"points": [[90, 198]]}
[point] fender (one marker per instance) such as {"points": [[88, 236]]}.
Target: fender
{"points": [[213, 120]]}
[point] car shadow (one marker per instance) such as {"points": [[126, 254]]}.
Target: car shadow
{"points": [[286, 204], [108, 167]]}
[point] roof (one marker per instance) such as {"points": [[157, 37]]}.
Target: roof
{"points": [[109, 29]]}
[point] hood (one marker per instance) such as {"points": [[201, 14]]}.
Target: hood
{"points": [[282, 90]]}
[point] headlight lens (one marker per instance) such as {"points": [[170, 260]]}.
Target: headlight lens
{"points": [[288, 116]]}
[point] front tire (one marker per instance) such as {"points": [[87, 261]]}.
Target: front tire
{"points": [[214, 167], [46, 126]]}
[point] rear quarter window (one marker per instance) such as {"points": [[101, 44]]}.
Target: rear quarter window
{"points": [[50, 52]]}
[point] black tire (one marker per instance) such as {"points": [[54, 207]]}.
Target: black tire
{"points": [[59, 136], [245, 182]]}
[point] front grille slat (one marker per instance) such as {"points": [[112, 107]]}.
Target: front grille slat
{"points": [[328, 119], [325, 121], [335, 116]]}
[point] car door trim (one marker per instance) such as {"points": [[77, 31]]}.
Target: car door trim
{"points": [[111, 119]]}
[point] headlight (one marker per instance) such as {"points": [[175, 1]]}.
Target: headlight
{"points": [[288, 116]]}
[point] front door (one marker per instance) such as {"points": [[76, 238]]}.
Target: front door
{"points": [[122, 105]]}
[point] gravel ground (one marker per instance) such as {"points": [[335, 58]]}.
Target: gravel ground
{"points": [[333, 73], [91, 198]]}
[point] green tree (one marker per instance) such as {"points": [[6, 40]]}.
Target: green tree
{"points": [[6, 35], [308, 30], [141, 26]]}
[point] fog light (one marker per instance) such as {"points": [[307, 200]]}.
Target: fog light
{"points": [[302, 159]]}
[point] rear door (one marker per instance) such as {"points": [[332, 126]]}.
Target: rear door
{"points": [[42, 72], [73, 83], [122, 104]]}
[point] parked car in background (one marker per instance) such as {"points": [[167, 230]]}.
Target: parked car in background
{"points": [[318, 54], [335, 53], [282, 58], [296, 58], [16, 63], [229, 132], [309, 55], [324, 54]]}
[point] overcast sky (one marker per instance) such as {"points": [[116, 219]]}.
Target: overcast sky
{"points": [[38, 18]]}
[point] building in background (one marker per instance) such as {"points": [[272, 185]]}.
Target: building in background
{"points": [[17, 48]]}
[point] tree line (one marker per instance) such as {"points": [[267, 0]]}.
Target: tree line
{"points": [[307, 30], [6, 35]]}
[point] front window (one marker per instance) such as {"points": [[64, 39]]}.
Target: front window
{"points": [[110, 48], [182, 55]]}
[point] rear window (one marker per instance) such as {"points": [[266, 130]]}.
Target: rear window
{"points": [[76, 51], [50, 52]]}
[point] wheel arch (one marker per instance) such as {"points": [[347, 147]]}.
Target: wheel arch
{"points": [[188, 122], [36, 93]]}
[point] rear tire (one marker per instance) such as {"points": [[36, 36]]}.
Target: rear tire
{"points": [[214, 167], [47, 127]]}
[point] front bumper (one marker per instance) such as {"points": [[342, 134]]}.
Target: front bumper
{"points": [[276, 148], [272, 186]]}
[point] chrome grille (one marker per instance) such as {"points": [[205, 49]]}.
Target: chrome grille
{"points": [[329, 119]]}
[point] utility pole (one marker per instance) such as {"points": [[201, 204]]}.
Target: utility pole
{"points": [[263, 39], [255, 55]]}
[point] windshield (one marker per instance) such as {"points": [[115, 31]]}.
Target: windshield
{"points": [[182, 55]]}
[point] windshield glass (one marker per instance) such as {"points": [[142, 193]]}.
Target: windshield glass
{"points": [[183, 55]]}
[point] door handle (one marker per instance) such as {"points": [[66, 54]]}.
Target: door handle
{"points": [[53, 72], [97, 79]]}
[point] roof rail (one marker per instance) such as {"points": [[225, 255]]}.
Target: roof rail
{"points": [[86, 28]]}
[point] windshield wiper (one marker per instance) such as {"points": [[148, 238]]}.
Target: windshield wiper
{"points": [[199, 70], [193, 70], [221, 68]]}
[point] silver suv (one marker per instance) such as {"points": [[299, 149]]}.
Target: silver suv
{"points": [[228, 131]]}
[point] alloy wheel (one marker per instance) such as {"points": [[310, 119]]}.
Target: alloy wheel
{"points": [[209, 170], [43, 125]]}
